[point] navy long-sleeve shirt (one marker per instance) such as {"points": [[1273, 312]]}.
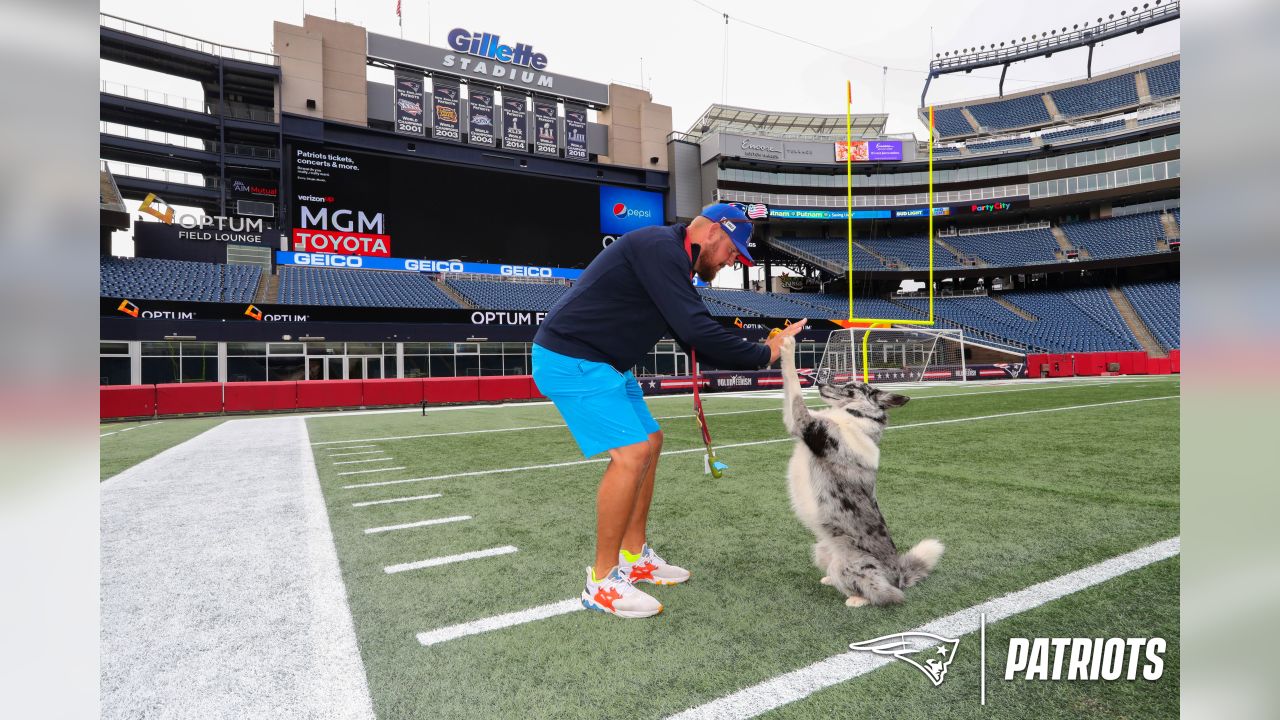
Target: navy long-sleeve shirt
{"points": [[630, 295]]}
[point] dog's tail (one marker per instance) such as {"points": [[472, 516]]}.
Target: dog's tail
{"points": [[915, 564]]}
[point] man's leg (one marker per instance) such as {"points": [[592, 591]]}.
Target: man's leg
{"points": [[634, 538], [617, 498]]}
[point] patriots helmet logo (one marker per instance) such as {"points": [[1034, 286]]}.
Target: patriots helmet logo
{"points": [[903, 645]]}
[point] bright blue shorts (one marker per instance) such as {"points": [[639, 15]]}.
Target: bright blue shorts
{"points": [[603, 408]]}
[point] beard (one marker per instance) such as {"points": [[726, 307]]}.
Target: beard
{"points": [[704, 273]]}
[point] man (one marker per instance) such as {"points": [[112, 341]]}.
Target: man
{"points": [[626, 300]]}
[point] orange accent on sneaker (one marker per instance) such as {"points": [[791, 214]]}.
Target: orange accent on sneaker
{"points": [[642, 571], [606, 597]]}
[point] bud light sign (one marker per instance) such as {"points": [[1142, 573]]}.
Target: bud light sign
{"points": [[623, 210]]}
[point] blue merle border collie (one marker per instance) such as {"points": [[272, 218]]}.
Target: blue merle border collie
{"points": [[832, 480]]}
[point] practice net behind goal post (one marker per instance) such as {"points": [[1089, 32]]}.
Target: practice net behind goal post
{"points": [[893, 355]]}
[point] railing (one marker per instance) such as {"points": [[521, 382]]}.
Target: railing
{"points": [[863, 201], [186, 41], [155, 136], [160, 98], [161, 174], [1043, 224]]}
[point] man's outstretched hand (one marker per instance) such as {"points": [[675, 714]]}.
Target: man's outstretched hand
{"points": [[775, 342]]}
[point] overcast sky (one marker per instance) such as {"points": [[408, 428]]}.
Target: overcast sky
{"points": [[683, 44]]}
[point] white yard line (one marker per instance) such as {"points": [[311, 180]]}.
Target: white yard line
{"points": [[784, 689], [420, 523], [497, 622], [353, 462], [950, 421], [395, 500], [362, 452], [218, 563], [449, 559], [374, 470], [135, 427], [349, 447], [997, 609]]}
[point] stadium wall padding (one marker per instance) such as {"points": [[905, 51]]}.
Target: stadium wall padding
{"points": [[243, 396], [442, 390], [188, 398], [393, 392], [123, 401], [507, 387], [330, 393]]}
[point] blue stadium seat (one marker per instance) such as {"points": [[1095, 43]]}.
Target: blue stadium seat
{"points": [[1079, 320], [1098, 96], [1165, 80], [1020, 247], [508, 294], [950, 122], [159, 279], [359, 288], [1159, 305], [1006, 114], [1160, 119], [999, 144], [1083, 132], [1125, 236]]}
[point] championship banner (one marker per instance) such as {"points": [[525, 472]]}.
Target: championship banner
{"points": [[445, 101], [575, 132], [546, 133], [480, 115], [514, 128], [409, 101]]}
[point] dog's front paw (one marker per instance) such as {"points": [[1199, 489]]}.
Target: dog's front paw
{"points": [[826, 580], [856, 601]]}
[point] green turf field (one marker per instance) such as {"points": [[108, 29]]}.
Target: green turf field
{"points": [[125, 444], [1018, 499]]}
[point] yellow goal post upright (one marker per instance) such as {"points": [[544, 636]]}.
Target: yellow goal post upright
{"points": [[905, 354]]}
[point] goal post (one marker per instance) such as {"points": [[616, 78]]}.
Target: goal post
{"points": [[893, 354]]}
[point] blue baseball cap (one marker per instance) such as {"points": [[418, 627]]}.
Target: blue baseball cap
{"points": [[736, 226]]}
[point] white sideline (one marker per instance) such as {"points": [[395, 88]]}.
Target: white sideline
{"points": [[772, 396], [420, 523], [798, 684], [220, 592], [949, 421], [395, 500], [448, 559], [353, 462]]}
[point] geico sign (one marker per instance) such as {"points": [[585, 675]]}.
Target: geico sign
{"points": [[328, 260], [524, 271], [440, 266]]}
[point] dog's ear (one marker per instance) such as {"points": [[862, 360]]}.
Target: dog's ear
{"points": [[888, 400]]}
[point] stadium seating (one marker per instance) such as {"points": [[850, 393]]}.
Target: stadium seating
{"points": [[1159, 306], [833, 250], [1124, 236], [359, 288], [1165, 80], [865, 307], [1096, 97], [1005, 114], [157, 279], [1081, 132], [913, 251], [950, 122], [945, 151], [1078, 320], [1160, 119], [508, 295], [766, 304], [999, 144], [1014, 248]]}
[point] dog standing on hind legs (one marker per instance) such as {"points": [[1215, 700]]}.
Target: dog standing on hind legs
{"points": [[832, 481]]}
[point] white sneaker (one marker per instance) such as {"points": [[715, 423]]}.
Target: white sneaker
{"points": [[651, 568], [615, 596]]}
